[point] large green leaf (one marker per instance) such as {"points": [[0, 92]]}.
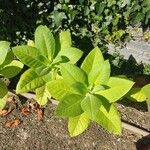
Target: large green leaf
{"points": [[58, 89], [79, 88], [93, 60], [73, 54], [29, 81], [42, 95], [9, 58], [45, 42], [4, 48], [136, 94], [11, 69], [109, 118], [3, 89], [3, 95], [91, 104], [65, 39], [118, 87], [70, 106], [79, 124], [72, 74], [29, 56], [146, 90], [104, 74], [92, 64], [3, 102]]}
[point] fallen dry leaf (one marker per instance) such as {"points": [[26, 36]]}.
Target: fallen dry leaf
{"points": [[40, 114], [25, 111], [12, 123], [5, 111]]}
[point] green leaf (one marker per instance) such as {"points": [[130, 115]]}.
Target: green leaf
{"points": [[11, 69], [4, 48], [92, 64], [136, 94], [9, 58], [3, 102], [45, 42], [29, 56], [118, 87], [58, 89], [42, 95], [73, 54], [146, 90], [79, 124], [104, 74], [3, 89], [29, 81], [3, 95], [65, 39], [109, 118], [70, 106], [79, 88], [91, 104], [72, 74], [93, 60]]}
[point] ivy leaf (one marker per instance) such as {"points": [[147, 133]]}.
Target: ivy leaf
{"points": [[29, 81], [4, 48], [11, 69], [92, 64], [118, 87], [42, 95], [70, 106], [109, 118], [45, 42], [72, 74], [3, 102], [79, 124], [58, 89], [29, 56], [91, 104]]}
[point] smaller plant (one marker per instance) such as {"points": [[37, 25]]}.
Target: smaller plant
{"points": [[8, 68], [140, 94], [43, 57], [89, 94]]}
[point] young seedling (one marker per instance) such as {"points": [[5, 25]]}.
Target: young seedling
{"points": [[43, 57], [8, 68], [89, 94]]}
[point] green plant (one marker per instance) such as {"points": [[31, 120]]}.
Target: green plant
{"points": [[88, 94], [8, 68], [140, 94], [44, 57]]}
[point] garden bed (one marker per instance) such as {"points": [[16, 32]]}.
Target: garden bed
{"points": [[51, 132]]}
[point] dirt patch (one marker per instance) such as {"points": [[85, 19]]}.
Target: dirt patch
{"points": [[52, 134]]}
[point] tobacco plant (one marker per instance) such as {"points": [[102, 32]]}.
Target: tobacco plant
{"points": [[8, 69], [89, 94], [140, 94], [43, 57]]}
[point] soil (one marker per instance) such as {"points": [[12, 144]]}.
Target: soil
{"points": [[52, 134]]}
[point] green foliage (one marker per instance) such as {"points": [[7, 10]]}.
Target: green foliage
{"points": [[8, 68], [44, 59], [97, 20], [91, 91]]}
